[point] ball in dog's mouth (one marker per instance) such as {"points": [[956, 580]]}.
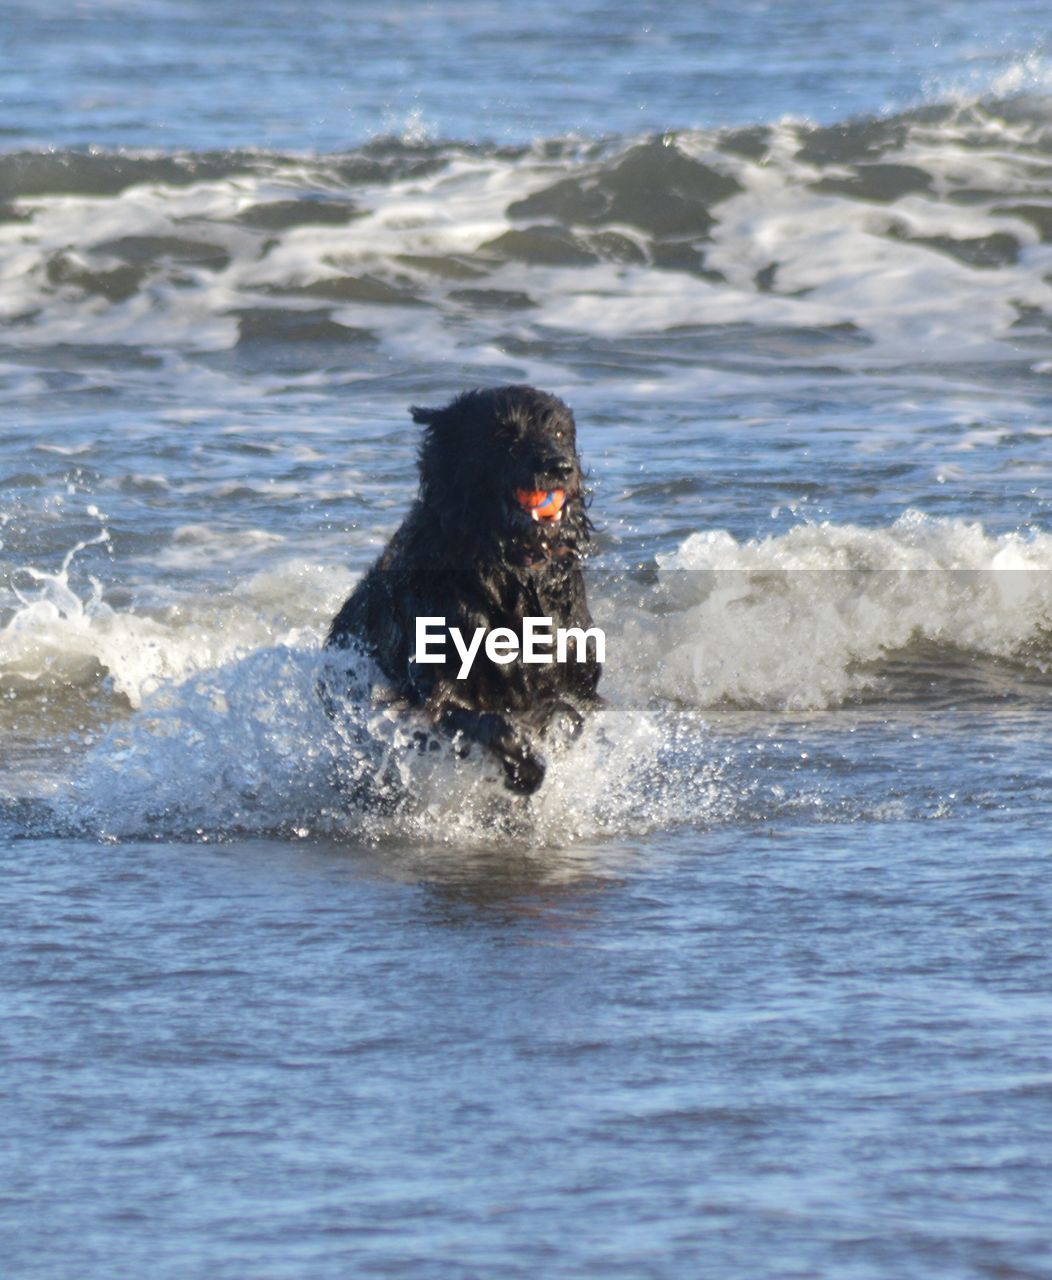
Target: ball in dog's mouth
{"points": [[544, 506]]}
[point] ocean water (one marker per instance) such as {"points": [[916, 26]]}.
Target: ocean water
{"points": [[758, 984]]}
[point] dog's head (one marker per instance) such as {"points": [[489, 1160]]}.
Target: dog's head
{"points": [[500, 477]]}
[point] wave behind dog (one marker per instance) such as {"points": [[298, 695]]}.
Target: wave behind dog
{"points": [[848, 242]]}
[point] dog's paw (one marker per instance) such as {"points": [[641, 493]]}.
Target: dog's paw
{"points": [[524, 773], [566, 723]]}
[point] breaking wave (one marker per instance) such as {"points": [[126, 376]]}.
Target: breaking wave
{"points": [[896, 238], [804, 621]]}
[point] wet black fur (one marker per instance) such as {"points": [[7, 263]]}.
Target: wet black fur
{"points": [[466, 552]]}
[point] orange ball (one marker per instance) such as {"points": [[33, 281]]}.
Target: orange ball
{"points": [[543, 504]]}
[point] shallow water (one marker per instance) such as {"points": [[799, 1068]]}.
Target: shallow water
{"points": [[789, 1046], [756, 984]]}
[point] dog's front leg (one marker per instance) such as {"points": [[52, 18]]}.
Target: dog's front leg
{"points": [[523, 768]]}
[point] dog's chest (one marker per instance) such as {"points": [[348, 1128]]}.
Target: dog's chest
{"points": [[556, 604]]}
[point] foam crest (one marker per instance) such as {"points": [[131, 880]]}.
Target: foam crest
{"points": [[798, 621], [57, 638]]}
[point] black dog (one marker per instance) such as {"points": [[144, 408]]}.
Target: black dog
{"points": [[495, 536]]}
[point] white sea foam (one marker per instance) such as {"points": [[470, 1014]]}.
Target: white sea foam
{"points": [[797, 621], [55, 637], [905, 266]]}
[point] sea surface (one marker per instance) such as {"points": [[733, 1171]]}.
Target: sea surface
{"points": [[759, 985]]}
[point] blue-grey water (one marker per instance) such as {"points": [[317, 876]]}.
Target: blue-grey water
{"points": [[758, 985]]}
